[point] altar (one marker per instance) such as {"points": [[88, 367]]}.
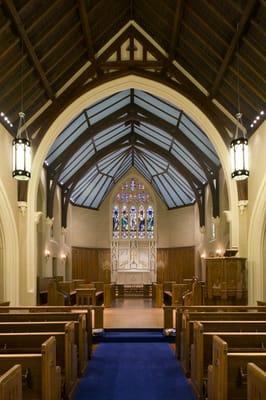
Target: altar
{"points": [[134, 277]]}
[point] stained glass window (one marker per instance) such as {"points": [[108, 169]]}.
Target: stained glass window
{"points": [[133, 216], [124, 223], [133, 222], [150, 222], [116, 222]]}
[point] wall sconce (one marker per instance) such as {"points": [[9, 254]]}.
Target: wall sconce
{"points": [[47, 255], [218, 252], [63, 257]]}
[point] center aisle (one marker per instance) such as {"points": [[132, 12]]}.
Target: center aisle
{"points": [[133, 371]]}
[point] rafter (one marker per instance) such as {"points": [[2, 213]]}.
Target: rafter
{"points": [[248, 11], [186, 87], [176, 29], [115, 118], [10, 7], [86, 29]]}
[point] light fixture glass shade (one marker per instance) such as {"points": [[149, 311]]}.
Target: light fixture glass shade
{"points": [[239, 159], [21, 159], [21, 152]]}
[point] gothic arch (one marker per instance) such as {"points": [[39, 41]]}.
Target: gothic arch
{"points": [[97, 93]]}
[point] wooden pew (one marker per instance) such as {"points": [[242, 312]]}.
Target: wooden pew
{"points": [[81, 334], [39, 369], [206, 310], [67, 341], [211, 313], [215, 326], [229, 371], [256, 382], [201, 350], [11, 384]]}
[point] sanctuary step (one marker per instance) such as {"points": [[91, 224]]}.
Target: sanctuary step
{"points": [[133, 336], [133, 290]]}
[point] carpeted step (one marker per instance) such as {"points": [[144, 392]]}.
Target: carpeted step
{"points": [[133, 336]]}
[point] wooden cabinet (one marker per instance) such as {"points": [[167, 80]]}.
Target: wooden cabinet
{"points": [[225, 280]]}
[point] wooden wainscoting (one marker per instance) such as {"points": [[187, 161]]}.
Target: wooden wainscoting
{"points": [[175, 264], [91, 264]]}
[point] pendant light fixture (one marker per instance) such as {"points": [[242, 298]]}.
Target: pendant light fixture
{"points": [[21, 152], [21, 144], [239, 145]]}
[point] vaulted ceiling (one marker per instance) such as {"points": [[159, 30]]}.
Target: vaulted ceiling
{"points": [[53, 51], [45, 44], [132, 129]]}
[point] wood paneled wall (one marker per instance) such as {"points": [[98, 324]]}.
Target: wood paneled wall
{"points": [[91, 264], [175, 264]]}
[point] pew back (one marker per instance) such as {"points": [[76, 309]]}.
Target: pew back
{"points": [[230, 369], [41, 371]]}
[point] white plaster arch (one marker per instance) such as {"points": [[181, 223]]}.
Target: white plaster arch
{"points": [[10, 249], [90, 97], [255, 246]]}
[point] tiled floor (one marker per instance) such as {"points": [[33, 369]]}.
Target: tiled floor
{"points": [[133, 313]]}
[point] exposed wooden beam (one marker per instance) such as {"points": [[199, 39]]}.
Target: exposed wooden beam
{"points": [[176, 133], [86, 29], [176, 28], [248, 11], [170, 158], [89, 133], [10, 7]]}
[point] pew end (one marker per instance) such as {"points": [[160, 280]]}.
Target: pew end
{"points": [[11, 384], [256, 382]]}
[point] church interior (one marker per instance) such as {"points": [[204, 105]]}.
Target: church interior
{"points": [[132, 200]]}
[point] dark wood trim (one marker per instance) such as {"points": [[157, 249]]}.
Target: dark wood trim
{"points": [[10, 7]]}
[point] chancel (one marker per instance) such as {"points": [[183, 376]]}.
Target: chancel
{"points": [[132, 200]]}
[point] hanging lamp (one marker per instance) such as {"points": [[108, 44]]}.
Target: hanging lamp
{"points": [[239, 145], [21, 152]]}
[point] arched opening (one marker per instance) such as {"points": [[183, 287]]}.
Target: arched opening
{"points": [[131, 81]]}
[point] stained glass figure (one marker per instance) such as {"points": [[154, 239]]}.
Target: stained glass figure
{"points": [[141, 222], [150, 222], [124, 223], [116, 222], [133, 222]]}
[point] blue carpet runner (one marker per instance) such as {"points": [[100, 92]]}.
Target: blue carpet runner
{"points": [[133, 370], [133, 336]]}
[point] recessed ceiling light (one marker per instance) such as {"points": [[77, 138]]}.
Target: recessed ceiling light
{"points": [[258, 117], [262, 113], [255, 121], [2, 114], [11, 125], [5, 118], [251, 125]]}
